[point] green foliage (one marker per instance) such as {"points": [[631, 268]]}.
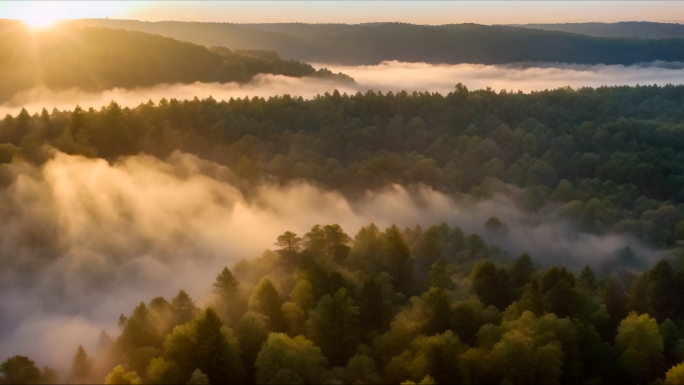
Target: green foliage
{"points": [[19, 370], [184, 309], [198, 378], [439, 276], [289, 241], [398, 258], [559, 294], [435, 356], [119, 376], [266, 300], [469, 316], [226, 284], [628, 181], [217, 353], [587, 280], [521, 272], [362, 368], [675, 375], [160, 371], [285, 360], [640, 346], [139, 340], [491, 284], [252, 332], [205, 344], [81, 368], [500, 324], [334, 326], [494, 223], [374, 311]]}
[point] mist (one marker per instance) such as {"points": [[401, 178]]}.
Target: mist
{"points": [[84, 240], [387, 76], [527, 77]]}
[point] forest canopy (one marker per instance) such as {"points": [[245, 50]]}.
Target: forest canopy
{"points": [[607, 160], [408, 306], [402, 305]]}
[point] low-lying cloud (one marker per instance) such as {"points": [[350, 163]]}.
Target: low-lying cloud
{"points": [[387, 76], [34, 100], [83, 240], [396, 76]]}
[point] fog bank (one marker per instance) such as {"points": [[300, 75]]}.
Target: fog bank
{"points": [[395, 76], [387, 76], [83, 240]]}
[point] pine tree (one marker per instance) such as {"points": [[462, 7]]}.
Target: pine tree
{"points": [[81, 367]]}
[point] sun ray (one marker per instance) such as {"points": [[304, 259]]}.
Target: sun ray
{"points": [[42, 14]]}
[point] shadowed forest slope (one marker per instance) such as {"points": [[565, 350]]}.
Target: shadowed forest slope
{"points": [[95, 59], [634, 29], [372, 43]]}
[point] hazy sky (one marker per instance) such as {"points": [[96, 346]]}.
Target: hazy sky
{"points": [[421, 12]]}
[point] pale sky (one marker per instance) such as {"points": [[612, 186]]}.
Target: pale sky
{"points": [[418, 12]]}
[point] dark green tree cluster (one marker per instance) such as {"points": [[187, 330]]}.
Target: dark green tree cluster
{"points": [[374, 317], [607, 159]]}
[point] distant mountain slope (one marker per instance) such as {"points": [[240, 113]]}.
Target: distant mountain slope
{"points": [[634, 29], [373, 43], [95, 58]]}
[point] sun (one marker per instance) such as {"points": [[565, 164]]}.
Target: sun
{"points": [[39, 14], [40, 20]]}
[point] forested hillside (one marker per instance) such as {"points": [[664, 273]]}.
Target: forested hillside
{"points": [[607, 159], [372, 43], [634, 29], [96, 59], [392, 306]]}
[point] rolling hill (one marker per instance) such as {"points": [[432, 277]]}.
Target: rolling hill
{"points": [[95, 58], [631, 29], [363, 44]]}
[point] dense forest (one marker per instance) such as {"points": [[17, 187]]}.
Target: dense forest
{"points": [[413, 305], [359, 44], [635, 29], [395, 306], [607, 160], [96, 59]]}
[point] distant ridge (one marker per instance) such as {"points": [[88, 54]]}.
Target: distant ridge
{"points": [[371, 43], [633, 29]]}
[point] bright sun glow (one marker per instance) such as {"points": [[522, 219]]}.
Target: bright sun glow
{"points": [[40, 14], [40, 20]]}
